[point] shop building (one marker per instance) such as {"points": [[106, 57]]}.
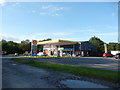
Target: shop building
{"points": [[68, 48]]}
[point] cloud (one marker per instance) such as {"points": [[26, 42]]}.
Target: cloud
{"points": [[16, 4], [113, 27], [9, 37], [51, 10], [85, 31], [43, 13], [108, 34], [54, 34], [113, 14], [46, 6], [2, 2], [57, 14], [51, 7], [33, 11], [18, 39], [36, 36]]}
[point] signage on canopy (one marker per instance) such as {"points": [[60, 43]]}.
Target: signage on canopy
{"points": [[34, 42]]}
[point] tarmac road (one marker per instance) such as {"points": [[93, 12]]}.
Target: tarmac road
{"points": [[16, 75]]}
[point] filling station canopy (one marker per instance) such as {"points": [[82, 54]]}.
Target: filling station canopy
{"points": [[57, 42]]}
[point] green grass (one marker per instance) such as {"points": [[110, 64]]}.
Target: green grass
{"points": [[18, 60], [44, 57], [108, 75]]}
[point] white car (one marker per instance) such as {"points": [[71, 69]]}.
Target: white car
{"points": [[16, 54], [40, 54]]}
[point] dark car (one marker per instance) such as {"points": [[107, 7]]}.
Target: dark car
{"points": [[107, 55], [3, 53], [117, 56]]}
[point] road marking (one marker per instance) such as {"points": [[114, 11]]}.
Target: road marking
{"points": [[14, 64]]}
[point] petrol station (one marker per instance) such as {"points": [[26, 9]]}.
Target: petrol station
{"points": [[58, 47], [64, 48]]}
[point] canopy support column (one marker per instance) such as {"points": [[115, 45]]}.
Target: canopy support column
{"points": [[73, 50]]}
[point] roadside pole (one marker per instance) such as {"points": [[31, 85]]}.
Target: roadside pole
{"points": [[105, 46]]}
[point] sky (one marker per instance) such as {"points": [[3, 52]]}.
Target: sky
{"points": [[75, 21]]}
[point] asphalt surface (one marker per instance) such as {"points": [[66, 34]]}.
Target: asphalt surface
{"points": [[94, 62], [16, 75]]}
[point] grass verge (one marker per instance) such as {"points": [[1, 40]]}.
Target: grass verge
{"points": [[108, 75], [44, 57]]}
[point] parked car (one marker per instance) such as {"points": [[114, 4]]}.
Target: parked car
{"points": [[40, 53], [117, 56], [107, 55], [3, 53], [16, 54]]}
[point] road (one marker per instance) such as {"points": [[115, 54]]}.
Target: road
{"points": [[94, 62], [16, 75]]}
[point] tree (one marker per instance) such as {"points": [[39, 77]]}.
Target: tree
{"points": [[48, 39], [25, 45], [9, 46], [4, 45], [0, 45], [99, 44], [114, 47], [13, 47], [40, 47]]}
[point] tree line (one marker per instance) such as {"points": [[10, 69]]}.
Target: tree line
{"points": [[12, 47], [100, 45]]}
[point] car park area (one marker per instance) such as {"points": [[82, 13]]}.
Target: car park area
{"points": [[117, 56]]}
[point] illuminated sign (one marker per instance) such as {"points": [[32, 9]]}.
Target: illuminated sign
{"points": [[34, 48], [34, 42]]}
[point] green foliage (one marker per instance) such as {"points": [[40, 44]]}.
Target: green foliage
{"points": [[40, 48], [113, 47], [48, 39], [111, 76], [13, 47], [0, 45], [9, 46], [25, 45], [99, 43]]}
